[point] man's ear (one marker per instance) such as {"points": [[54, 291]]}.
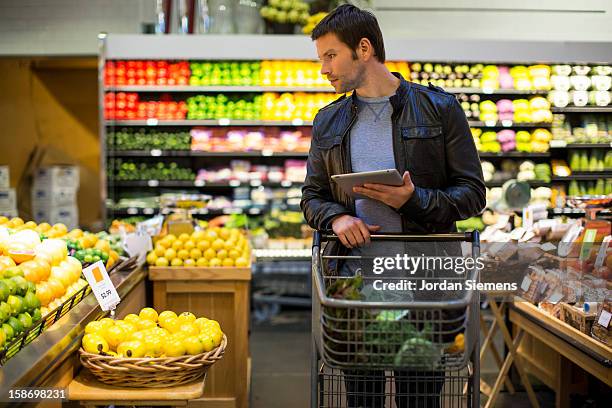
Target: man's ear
{"points": [[365, 48]]}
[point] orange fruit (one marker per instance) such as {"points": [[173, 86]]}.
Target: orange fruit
{"points": [[31, 271], [56, 287], [43, 293], [44, 268]]}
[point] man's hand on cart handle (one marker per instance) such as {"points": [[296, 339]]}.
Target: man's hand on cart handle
{"points": [[393, 196], [352, 231]]}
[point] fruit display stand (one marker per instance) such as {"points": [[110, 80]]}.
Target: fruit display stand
{"points": [[222, 294], [50, 359], [552, 350]]}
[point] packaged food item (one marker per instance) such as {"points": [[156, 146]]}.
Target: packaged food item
{"points": [[601, 326]]}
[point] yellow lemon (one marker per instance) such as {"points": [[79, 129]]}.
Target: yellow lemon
{"points": [[106, 322], [176, 262], [189, 245], [145, 324], [229, 245], [189, 262], [159, 250], [139, 336], [174, 348], [148, 313], [227, 262], [195, 253], [170, 254], [189, 329], [177, 245], [241, 262], [94, 343], [233, 254], [186, 317], [132, 349], [172, 325], [210, 254], [128, 327], [200, 322], [207, 342], [211, 235], [217, 244], [183, 237], [224, 233], [165, 315], [170, 237], [183, 254], [161, 262], [217, 336], [132, 318], [198, 236], [193, 345], [114, 336], [222, 254], [154, 345], [203, 262], [214, 262], [151, 258]]}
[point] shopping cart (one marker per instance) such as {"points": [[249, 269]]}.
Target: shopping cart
{"points": [[407, 352]]}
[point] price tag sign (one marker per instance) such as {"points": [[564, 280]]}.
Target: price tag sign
{"points": [[603, 249], [102, 286], [604, 318], [528, 218], [138, 245], [526, 284], [587, 243], [555, 297]]}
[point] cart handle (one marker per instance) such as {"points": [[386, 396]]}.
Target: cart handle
{"points": [[469, 236]]}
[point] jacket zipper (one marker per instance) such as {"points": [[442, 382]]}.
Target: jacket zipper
{"points": [[346, 156]]}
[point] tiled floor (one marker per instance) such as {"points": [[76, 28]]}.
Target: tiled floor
{"points": [[281, 376]]}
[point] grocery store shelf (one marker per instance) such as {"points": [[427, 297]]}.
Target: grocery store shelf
{"points": [[200, 183], [583, 109], [532, 183], [283, 253], [595, 175], [134, 211], [190, 153], [562, 144], [513, 154], [507, 124], [217, 88], [295, 122], [208, 122], [257, 88], [299, 47]]}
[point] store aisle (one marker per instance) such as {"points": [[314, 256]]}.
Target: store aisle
{"points": [[280, 376]]}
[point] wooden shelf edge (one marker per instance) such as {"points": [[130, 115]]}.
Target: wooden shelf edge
{"points": [[199, 273], [552, 321]]}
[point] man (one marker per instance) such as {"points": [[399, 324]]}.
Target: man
{"points": [[387, 122]]}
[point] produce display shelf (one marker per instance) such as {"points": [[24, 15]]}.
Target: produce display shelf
{"points": [[508, 124], [583, 109], [295, 122], [256, 88], [192, 153], [208, 122], [216, 88], [561, 144], [584, 176], [532, 183], [199, 211], [201, 183], [513, 154]]}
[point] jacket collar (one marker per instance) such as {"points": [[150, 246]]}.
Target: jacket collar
{"points": [[398, 100]]}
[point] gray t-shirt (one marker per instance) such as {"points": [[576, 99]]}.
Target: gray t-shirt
{"points": [[372, 149]]}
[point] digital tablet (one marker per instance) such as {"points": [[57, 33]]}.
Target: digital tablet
{"points": [[346, 182]]}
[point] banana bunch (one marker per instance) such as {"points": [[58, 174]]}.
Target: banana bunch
{"points": [[312, 21]]}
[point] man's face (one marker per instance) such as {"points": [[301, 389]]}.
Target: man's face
{"points": [[342, 68]]}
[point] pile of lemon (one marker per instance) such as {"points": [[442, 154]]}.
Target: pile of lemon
{"points": [[152, 335], [211, 247]]}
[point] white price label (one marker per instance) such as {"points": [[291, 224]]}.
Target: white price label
{"points": [[603, 249], [555, 297], [526, 284], [528, 218], [558, 143], [604, 318], [102, 286], [138, 245]]}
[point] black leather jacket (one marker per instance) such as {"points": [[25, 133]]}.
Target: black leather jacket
{"points": [[431, 139]]}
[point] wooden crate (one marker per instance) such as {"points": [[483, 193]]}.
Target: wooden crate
{"points": [[577, 318], [222, 294]]}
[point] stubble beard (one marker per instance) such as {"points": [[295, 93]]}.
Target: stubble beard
{"points": [[355, 82]]}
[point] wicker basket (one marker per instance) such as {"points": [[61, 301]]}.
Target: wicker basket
{"points": [[151, 372]]}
